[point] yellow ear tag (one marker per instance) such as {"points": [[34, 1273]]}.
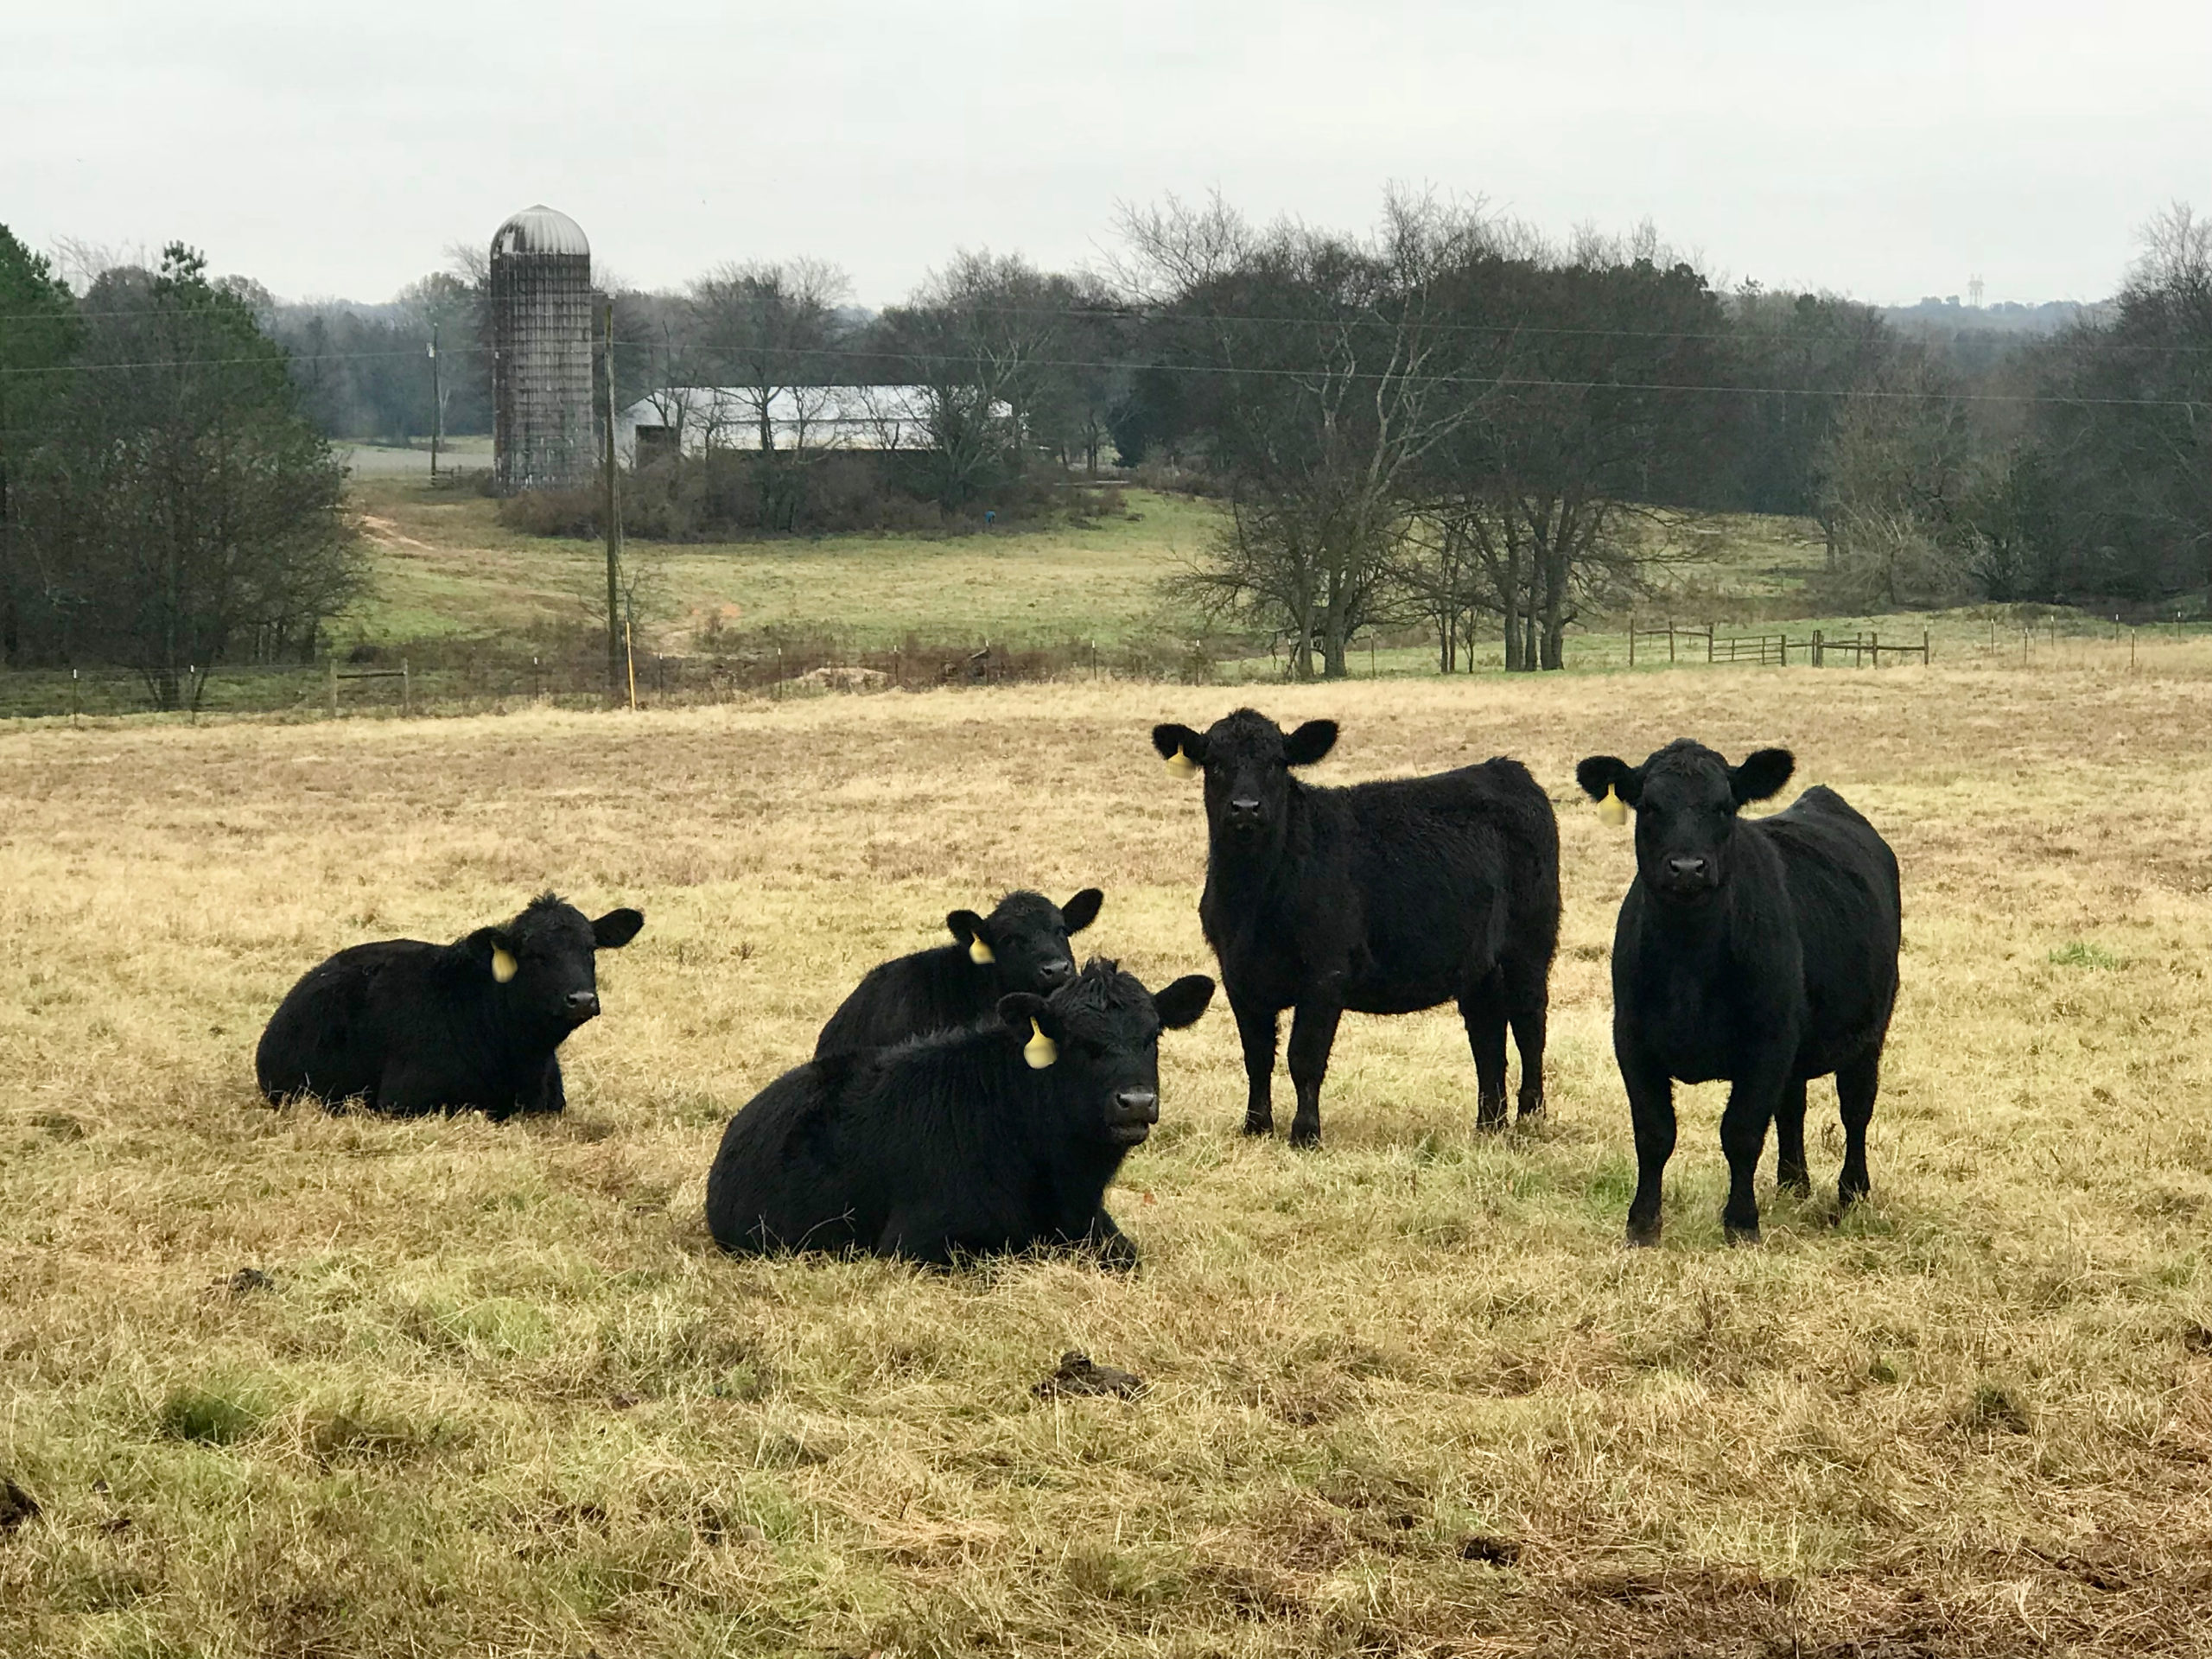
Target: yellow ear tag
{"points": [[1180, 765], [979, 953], [503, 964], [1040, 1050], [1612, 809]]}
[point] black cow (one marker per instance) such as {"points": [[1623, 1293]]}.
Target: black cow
{"points": [[1764, 951], [1022, 946], [1383, 898], [409, 1027], [1000, 1136]]}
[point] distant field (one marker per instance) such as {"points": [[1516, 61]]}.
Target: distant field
{"points": [[447, 570], [368, 460], [498, 1395], [445, 565]]}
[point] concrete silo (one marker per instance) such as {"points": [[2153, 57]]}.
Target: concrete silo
{"points": [[543, 424]]}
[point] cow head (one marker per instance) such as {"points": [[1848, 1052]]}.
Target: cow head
{"points": [[1247, 760], [1686, 798], [1098, 1038], [1026, 937], [541, 964]]}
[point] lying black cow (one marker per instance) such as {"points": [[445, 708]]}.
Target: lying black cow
{"points": [[1763, 950], [1384, 897], [1022, 946], [1002, 1136], [408, 1027]]}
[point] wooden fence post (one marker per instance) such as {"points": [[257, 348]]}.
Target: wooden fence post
{"points": [[334, 688], [1631, 638], [406, 690]]}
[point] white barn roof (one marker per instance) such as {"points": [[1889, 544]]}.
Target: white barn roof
{"points": [[812, 417]]}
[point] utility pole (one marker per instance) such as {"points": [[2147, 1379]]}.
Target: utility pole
{"points": [[437, 403], [613, 535]]}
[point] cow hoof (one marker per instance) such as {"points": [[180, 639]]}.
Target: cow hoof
{"points": [[1304, 1139], [1743, 1237], [1798, 1186], [1118, 1255], [1259, 1126], [1641, 1237], [1489, 1124]]}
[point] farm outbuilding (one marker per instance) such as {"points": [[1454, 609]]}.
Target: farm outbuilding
{"points": [[543, 426], [697, 419]]}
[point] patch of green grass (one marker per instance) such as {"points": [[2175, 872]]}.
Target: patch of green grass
{"points": [[219, 1414], [2083, 953]]}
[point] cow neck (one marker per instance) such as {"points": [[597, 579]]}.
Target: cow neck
{"points": [[956, 985], [1696, 930], [1050, 1136], [1244, 873], [513, 1038]]}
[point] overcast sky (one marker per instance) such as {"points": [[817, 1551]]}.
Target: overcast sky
{"points": [[1886, 151]]}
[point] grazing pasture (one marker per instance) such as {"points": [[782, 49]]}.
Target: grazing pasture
{"points": [[286, 1383]]}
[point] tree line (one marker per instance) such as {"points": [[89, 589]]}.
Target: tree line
{"points": [[1448, 422], [1454, 422]]}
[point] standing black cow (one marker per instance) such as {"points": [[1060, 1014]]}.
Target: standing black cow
{"points": [[409, 1027], [1383, 898], [1002, 1136], [1022, 946], [1761, 950]]}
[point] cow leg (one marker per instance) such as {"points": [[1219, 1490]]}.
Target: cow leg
{"points": [[1752, 1100], [1651, 1114], [1855, 1086], [1256, 1029], [1117, 1252], [1789, 1169], [1526, 1002], [545, 1092], [1312, 1034], [916, 1236], [1482, 1010]]}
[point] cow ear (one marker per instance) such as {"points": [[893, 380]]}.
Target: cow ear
{"points": [[1082, 910], [616, 929], [493, 952], [968, 927], [1608, 774], [1029, 1020], [1763, 773], [1309, 743], [1180, 1004], [1183, 749]]}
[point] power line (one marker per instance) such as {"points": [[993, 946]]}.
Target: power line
{"points": [[1159, 318], [1231, 371]]}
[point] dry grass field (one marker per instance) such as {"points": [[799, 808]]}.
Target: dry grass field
{"points": [[489, 1391]]}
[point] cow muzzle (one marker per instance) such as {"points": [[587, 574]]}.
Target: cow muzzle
{"points": [[1136, 1110], [1687, 875], [1242, 815], [1052, 975], [582, 1006]]}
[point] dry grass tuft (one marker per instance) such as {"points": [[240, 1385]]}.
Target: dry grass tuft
{"points": [[282, 1383]]}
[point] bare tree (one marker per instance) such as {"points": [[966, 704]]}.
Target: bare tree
{"points": [[1334, 372], [1898, 482], [763, 330]]}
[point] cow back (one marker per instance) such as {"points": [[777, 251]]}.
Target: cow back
{"points": [[937, 989]]}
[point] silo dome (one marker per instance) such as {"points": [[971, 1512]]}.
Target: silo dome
{"points": [[541, 230], [543, 417]]}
